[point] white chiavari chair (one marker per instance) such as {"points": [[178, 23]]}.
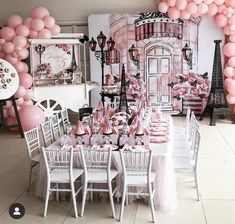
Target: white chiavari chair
{"points": [[64, 119], [184, 130], [34, 149], [97, 169], [47, 133], [189, 164], [55, 123], [60, 171], [136, 166]]}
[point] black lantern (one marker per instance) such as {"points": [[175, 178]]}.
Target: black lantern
{"points": [[187, 53], [102, 54], [134, 56]]}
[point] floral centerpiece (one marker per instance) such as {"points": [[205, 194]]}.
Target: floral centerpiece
{"points": [[190, 85], [44, 68]]}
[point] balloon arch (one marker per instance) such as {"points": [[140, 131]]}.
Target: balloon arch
{"points": [[223, 12], [14, 44]]}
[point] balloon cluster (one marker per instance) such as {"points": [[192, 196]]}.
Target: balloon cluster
{"points": [[14, 46], [224, 17]]}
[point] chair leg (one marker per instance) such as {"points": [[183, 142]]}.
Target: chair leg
{"points": [[84, 193], [46, 203], [127, 196], [57, 192], [151, 202], [30, 175], [92, 195], [123, 201], [74, 200], [111, 198], [196, 182]]}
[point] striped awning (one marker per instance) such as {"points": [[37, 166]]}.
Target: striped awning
{"points": [[156, 24]]}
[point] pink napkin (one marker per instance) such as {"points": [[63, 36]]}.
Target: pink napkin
{"points": [[159, 125], [159, 133], [165, 129]]}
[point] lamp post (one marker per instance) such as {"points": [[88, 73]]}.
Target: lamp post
{"points": [[102, 53], [134, 56], [187, 53]]}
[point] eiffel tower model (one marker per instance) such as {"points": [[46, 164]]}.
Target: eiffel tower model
{"points": [[123, 106], [216, 104]]}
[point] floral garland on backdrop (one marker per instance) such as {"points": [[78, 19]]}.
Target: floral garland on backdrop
{"points": [[190, 85]]}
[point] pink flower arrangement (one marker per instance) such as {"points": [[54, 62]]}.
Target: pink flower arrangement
{"points": [[64, 47], [190, 85], [45, 67]]}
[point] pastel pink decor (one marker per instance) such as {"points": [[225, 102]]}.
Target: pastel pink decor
{"points": [[31, 116], [14, 20]]}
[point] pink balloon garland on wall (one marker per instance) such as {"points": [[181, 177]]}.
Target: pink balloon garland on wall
{"points": [[223, 12], [14, 44]]}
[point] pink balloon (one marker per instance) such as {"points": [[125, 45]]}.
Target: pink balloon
{"points": [[55, 30], [227, 30], [22, 30], [231, 20], [33, 33], [229, 49], [185, 14], [171, 3], [231, 87], [208, 2], [198, 1], [20, 101], [27, 22], [219, 2], [212, 10], [26, 68], [19, 66], [49, 22], [181, 4], [227, 80], [37, 24], [196, 14], [221, 8], [191, 8], [29, 94], [20, 92], [229, 72], [230, 99], [11, 59], [27, 103], [39, 12], [232, 38], [173, 13], [31, 116], [14, 21], [44, 34], [202, 8], [8, 47], [230, 3], [23, 53], [26, 80], [2, 41], [19, 41], [163, 7], [231, 62], [220, 20], [7, 33]]}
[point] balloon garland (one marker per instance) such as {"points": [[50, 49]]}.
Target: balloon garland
{"points": [[14, 44], [223, 12]]}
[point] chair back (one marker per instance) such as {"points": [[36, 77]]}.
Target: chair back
{"points": [[196, 147], [32, 142], [64, 119], [47, 133], [136, 163], [188, 115], [96, 159], [192, 125], [58, 160], [55, 126]]}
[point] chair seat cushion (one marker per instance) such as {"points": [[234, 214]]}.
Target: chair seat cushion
{"points": [[138, 178], [62, 176], [100, 175], [37, 158]]}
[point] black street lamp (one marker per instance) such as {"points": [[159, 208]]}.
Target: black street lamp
{"points": [[187, 53], [134, 56], [102, 54]]}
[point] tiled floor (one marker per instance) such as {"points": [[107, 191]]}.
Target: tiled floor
{"points": [[216, 178]]}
